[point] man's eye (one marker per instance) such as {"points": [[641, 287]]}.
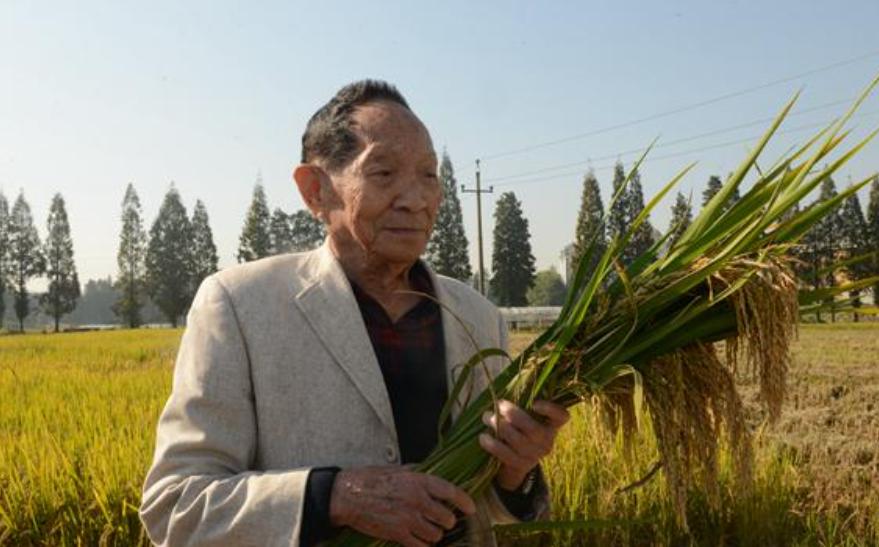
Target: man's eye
{"points": [[382, 173]]}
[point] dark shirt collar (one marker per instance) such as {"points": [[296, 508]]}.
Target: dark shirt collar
{"points": [[419, 281]]}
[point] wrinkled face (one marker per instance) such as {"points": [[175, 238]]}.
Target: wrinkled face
{"points": [[385, 200]]}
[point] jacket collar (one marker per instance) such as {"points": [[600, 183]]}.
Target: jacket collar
{"points": [[328, 304]]}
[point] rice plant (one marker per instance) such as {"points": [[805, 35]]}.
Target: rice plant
{"points": [[644, 335]]}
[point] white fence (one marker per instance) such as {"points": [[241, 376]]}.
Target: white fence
{"points": [[530, 318]]}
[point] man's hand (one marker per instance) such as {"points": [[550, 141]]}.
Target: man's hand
{"points": [[397, 504], [520, 441]]}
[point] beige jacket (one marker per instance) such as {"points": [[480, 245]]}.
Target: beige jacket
{"points": [[276, 375]]}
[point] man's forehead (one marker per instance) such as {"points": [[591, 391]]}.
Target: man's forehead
{"points": [[384, 121], [387, 129], [381, 149]]}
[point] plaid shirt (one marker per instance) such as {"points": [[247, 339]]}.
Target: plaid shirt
{"points": [[412, 356]]}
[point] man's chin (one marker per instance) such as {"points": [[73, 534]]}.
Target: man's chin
{"points": [[399, 254]]}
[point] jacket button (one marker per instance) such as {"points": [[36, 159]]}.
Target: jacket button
{"points": [[391, 453]]}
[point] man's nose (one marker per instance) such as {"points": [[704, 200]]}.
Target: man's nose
{"points": [[413, 196]]}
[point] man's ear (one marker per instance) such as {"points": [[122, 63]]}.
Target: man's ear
{"points": [[309, 179]]}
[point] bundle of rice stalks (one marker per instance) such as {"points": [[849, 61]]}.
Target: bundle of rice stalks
{"points": [[645, 335]]}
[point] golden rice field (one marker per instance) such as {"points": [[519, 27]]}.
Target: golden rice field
{"points": [[78, 412]]}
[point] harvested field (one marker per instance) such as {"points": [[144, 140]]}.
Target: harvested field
{"points": [[78, 414], [817, 475]]}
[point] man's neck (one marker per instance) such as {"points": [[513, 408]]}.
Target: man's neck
{"points": [[386, 282]]}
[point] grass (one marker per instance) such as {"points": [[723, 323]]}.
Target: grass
{"points": [[77, 428], [78, 415]]}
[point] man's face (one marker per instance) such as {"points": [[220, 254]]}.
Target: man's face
{"points": [[385, 201]]}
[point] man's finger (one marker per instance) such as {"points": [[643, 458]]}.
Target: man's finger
{"points": [[424, 530], [503, 453], [523, 445], [521, 419], [407, 539], [556, 414], [436, 512], [444, 490]]}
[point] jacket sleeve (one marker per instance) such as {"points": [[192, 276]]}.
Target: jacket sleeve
{"points": [[497, 511], [201, 489]]}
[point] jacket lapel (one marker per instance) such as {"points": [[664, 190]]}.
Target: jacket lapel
{"points": [[459, 335], [328, 303]]}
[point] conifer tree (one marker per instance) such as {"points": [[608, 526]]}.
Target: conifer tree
{"points": [[306, 232], [204, 250], [714, 186], [821, 245], [512, 260], [854, 242], [589, 224], [26, 259], [4, 255], [63, 291], [130, 260], [873, 233], [447, 251], [711, 190], [618, 220], [255, 241], [681, 217], [280, 232], [642, 240], [169, 263], [623, 213]]}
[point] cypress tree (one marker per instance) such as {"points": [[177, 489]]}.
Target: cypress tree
{"points": [[642, 240], [63, 291], [853, 241], [681, 217], [873, 232], [204, 251], [4, 254], [255, 241], [714, 186], [618, 220], [169, 263], [623, 213], [711, 190], [130, 260], [447, 251], [280, 232], [511, 259], [589, 225], [306, 232], [26, 256], [821, 245]]}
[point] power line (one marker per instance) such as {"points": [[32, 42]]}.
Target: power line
{"points": [[676, 154], [678, 110], [667, 144]]}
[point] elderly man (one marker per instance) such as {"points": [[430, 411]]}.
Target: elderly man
{"points": [[306, 383]]}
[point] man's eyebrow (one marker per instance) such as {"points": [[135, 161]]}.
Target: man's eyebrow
{"points": [[376, 152]]}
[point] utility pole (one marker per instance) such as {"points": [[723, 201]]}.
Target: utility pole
{"points": [[479, 191]]}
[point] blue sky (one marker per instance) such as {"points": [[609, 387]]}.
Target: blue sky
{"points": [[94, 95]]}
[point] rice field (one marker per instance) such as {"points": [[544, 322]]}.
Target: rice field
{"points": [[78, 414]]}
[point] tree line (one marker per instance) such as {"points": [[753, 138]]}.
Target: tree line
{"points": [[169, 264], [165, 265], [842, 237], [23, 256], [847, 236]]}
